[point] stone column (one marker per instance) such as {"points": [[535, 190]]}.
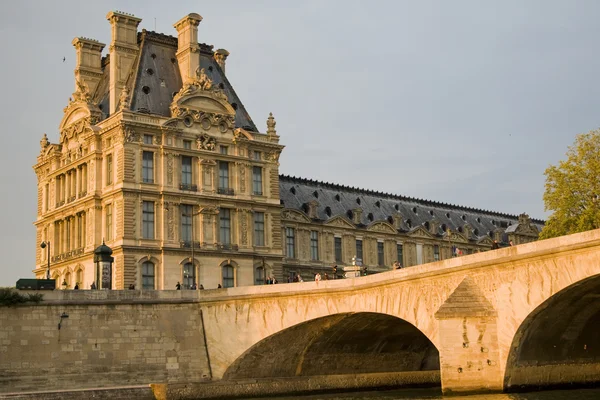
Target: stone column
{"points": [[468, 345]]}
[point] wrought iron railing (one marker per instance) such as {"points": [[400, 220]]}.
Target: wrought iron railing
{"points": [[226, 191], [188, 186]]}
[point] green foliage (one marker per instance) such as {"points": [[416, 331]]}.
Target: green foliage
{"points": [[573, 189], [10, 297]]}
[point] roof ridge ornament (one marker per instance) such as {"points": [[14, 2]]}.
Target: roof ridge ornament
{"points": [[271, 125]]}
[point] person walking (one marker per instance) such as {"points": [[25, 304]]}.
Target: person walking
{"points": [[194, 286], [178, 286], [495, 245]]}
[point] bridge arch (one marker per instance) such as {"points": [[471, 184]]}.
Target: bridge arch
{"points": [[559, 342], [344, 343]]}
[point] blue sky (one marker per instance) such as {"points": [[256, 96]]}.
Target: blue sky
{"points": [[464, 102]]}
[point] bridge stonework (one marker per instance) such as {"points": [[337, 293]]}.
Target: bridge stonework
{"points": [[493, 321]]}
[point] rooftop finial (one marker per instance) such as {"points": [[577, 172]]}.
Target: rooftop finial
{"points": [[44, 143], [271, 125]]}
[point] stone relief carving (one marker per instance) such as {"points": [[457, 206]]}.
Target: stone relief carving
{"points": [[82, 93], [244, 228], [124, 99], [130, 136], [157, 140], [170, 224], [242, 177], [90, 227], [273, 156], [293, 216], [170, 168], [206, 142], [200, 83]]}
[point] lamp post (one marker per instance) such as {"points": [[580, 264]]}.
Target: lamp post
{"points": [[43, 245], [104, 262]]}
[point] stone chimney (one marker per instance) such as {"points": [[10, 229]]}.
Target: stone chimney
{"points": [[88, 55], [188, 50], [220, 57], [123, 52]]}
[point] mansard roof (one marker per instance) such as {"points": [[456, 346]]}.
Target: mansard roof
{"points": [[338, 200], [155, 79]]}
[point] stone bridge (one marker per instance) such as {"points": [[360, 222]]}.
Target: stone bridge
{"points": [[520, 316], [523, 316]]}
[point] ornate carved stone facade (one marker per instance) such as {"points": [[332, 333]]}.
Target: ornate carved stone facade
{"points": [[170, 168]]}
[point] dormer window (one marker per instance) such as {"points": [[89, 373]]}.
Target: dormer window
{"points": [[378, 203], [328, 211], [316, 194], [370, 217], [358, 201], [293, 190], [337, 197]]}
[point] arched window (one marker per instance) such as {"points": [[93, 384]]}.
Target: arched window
{"points": [[259, 276], [80, 278], [67, 280], [228, 280], [189, 275], [148, 274]]}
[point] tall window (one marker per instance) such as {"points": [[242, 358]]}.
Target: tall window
{"points": [[259, 276], [189, 275], [79, 277], [380, 260], [314, 245], [290, 245], [148, 275], [337, 243], [148, 220], [257, 180], [47, 197], [186, 222], [419, 254], [228, 280], [259, 229], [109, 220], [109, 169], [400, 254], [436, 253], [186, 170], [223, 175], [359, 249], [148, 167], [225, 226]]}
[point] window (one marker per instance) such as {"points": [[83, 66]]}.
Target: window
{"points": [[257, 155], [337, 244], [259, 229], [187, 144], [186, 171], [147, 139], [148, 275], [109, 169], [189, 275], [419, 254], [223, 175], [290, 238], [47, 197], [148, 167], [228, 280], [186, 222], [359, 249], [400, 254], [380, 260], [223, 149], [148, 220], [109, 218], [79, 277], [314, 245], [257, 180], [259, 276], [436, 253], [225, 226]]}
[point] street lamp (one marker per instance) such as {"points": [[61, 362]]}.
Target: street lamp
{"points": [[104, 262], [43, 246]]}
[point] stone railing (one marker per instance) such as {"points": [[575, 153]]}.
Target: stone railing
{"points": [[68, 255]]}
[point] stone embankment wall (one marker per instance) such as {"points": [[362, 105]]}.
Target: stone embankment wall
{"points": [[108, 339]]}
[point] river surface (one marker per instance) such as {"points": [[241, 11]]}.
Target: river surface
{"points": [[435, 394]]}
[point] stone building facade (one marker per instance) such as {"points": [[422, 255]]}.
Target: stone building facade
{"points": [[158, 158]]}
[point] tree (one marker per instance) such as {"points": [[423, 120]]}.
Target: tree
{"points": [[573, 189]]}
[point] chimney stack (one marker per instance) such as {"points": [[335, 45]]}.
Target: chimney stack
{"points": [[188, 50], [220, 57], [123, 52], [88, 55]]}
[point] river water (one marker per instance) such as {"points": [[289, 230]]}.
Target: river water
{"points": [[435, 394]]}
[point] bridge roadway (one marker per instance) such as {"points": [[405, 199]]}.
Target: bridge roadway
{"points": [[523, 316]]}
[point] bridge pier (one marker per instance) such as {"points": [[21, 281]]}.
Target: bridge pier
{"points": [[468, 345]]}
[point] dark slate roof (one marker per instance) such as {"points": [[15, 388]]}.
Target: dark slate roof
{"points": [[336, 200], [157, 72]]}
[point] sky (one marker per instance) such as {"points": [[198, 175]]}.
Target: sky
{"points": [[463, 102]]}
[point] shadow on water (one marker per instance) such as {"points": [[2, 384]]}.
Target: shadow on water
{"points": [[435, 394]]}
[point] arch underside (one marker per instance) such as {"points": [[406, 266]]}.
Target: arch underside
{"points": [[559, 343], [352, 343]]}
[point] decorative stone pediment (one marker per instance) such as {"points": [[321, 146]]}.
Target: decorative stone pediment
{"points": [[455, 237], [72, 131], [241, 133], [200, 94], [485, 240], [381, 227], [420, 232], [80, 107], [341, 222], [293, 215]]}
